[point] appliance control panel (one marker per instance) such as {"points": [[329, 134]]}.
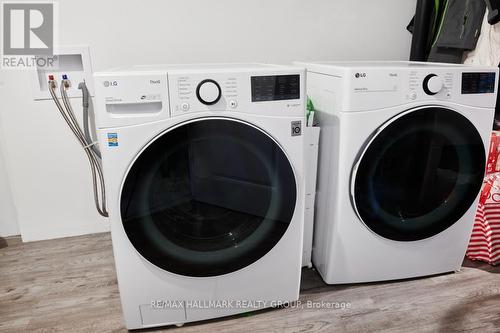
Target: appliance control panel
{"points": [[275, 87], [272, 94], [374, 88], [199, 93], [478, 82], [423, 84]]}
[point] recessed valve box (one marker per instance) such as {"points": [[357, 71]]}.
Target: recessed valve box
{"points": [[71, 62]]}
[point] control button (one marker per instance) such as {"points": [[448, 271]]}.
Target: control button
{"points": [[233, 104], [413, 95], [208, 92], [185, 106], [432, 84]]}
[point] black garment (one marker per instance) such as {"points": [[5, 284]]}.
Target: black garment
{"points": [[496, 124], [459, 30], [424, 26], [446, 54], [493, 11]]}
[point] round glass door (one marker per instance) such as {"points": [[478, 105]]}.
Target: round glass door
{"points": [[419, 174], [208, 198]]}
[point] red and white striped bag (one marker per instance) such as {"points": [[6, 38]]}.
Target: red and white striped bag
{"points": [[484, 243]]}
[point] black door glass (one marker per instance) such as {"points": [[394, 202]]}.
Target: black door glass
{"points": [[420, 174], [208, 198]]}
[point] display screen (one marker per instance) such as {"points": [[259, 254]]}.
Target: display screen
{"points": [[275, 87], [478, 83]]}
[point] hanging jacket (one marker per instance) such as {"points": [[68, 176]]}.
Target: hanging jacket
{"points": [[458, 30], [423, 26]]}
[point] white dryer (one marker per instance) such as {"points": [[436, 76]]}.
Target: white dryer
{"points": [[204, 172], [402, 157]]}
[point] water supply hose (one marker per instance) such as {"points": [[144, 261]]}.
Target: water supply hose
{"points": [[96, 168]]}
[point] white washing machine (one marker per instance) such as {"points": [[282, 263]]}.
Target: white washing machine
{"points": [[401, 162], [204, 172]]}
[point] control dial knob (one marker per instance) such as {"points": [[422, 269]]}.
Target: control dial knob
{"points": [[432, 84], [208, 92]]}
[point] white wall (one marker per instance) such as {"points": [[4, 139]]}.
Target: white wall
{"points": [[48, 172], [8, 220]]}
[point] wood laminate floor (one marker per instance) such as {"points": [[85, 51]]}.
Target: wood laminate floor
{"points": [[69, 285]]}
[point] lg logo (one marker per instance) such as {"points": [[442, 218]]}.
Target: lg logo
{"points": [[110, 83], [28, 28], [358, 75]]}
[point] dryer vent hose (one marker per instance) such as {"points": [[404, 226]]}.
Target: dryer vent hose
{"points": [[84, 138]]}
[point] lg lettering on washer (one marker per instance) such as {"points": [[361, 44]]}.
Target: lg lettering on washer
{"points": [[115, 83], [107, 84]]}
